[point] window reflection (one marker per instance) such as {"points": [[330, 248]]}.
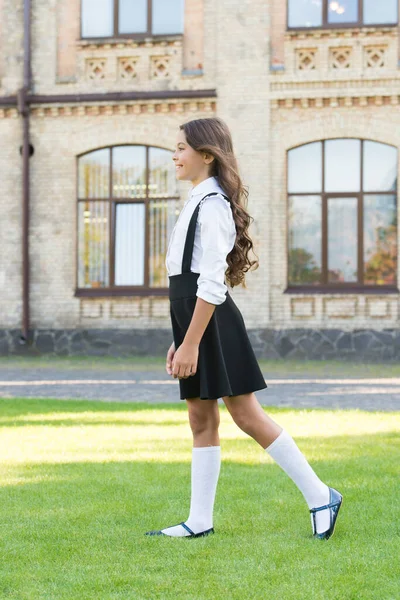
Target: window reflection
{"points": [[336, 13], [93, 244], [130, 168], [132, 17], [162, 219], [342, 165], [97, 18], [162, 176], [380, 167], [342, 11], [167, 16], [342, 240], [129, 171], [305, 168], [305, 13], [94, 174], [380, 239], [380, 11], [333, 256], [304, 240]]}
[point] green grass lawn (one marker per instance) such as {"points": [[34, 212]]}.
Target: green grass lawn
{"points": [[81, 482]]}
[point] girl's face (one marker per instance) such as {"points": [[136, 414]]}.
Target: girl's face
{"points": [[190, 164]]}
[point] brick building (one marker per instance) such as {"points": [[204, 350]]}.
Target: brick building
{"points": [[310, 90]]}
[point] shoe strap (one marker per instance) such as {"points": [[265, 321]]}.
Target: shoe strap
{"points": [[187, 528], [330, 505]]}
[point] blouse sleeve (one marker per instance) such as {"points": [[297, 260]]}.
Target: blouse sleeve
{"points": [[215, 221]]}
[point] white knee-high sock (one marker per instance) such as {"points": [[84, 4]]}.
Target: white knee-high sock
{"points": [[206, 464], [287, 455]]}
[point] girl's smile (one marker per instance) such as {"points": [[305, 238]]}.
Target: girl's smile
{"points": [[190, 164]]}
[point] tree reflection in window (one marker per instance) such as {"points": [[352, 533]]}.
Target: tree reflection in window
{"points": [[342, 228]]}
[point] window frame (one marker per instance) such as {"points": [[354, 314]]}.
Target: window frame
{"points": [[326, 25], [136, 36], [339, 287], [112, 290]]}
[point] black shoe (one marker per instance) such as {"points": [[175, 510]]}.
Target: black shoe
{"points": [[335, 502], [192, 533]]}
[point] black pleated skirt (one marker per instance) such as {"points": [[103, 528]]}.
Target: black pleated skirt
{"points": [[227, 365]]}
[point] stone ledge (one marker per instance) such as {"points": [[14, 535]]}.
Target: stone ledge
{"points": [[334, 101], [121, 42], [301, 343], [119, 108], [341, 33]]}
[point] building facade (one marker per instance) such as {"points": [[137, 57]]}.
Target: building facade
{"points": [[310, 90]]}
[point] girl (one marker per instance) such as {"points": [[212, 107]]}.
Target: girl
{"points": [[211, 354]]}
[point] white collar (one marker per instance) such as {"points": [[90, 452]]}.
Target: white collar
{"points": [[210, 184]]}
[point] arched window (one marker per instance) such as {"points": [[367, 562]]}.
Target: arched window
{"points": [[342, 215], [127, 208], [341, 13]]}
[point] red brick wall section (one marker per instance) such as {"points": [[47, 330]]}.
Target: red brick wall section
{"points": [[193, 35], [68, 32], [278, 28]]}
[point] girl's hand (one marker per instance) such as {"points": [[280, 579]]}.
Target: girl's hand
{"points": [[170, 357], [184, 363]]}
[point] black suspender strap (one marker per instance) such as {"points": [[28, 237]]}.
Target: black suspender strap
{"points": [[189, 243]]}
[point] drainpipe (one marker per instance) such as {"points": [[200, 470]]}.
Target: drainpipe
{"points": [[23, 107]]}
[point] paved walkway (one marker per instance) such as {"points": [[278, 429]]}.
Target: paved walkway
{"points": [[156, 386]]}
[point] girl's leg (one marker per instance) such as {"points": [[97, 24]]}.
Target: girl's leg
{"points": [[251, 418], [206, 461]]}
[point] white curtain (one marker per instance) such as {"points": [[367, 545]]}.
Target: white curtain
{"points": [[129, 244]]}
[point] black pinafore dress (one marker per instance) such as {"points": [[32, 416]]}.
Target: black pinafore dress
{"points": [[227, 365]]}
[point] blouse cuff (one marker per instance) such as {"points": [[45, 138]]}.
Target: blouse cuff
{"points": [[210, 297]]}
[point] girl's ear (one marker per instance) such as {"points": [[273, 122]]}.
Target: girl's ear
{"points": [[208, 158]]}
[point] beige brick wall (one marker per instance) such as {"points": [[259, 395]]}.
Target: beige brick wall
{"points": [[11, 54], [268, 113], [58, 140], [329, 87], [243, 101]]}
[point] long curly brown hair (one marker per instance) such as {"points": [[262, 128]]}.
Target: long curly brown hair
{"points": [[211, 135]]}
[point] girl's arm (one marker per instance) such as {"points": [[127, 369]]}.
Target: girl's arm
{"points": [[203, 311], [184, 363]]}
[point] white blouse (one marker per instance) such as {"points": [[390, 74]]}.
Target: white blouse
{"points": [[214, 238]]}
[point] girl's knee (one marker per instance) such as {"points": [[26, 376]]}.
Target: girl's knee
{"points": [[242, 420], [240, 412], [203, 417]]}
